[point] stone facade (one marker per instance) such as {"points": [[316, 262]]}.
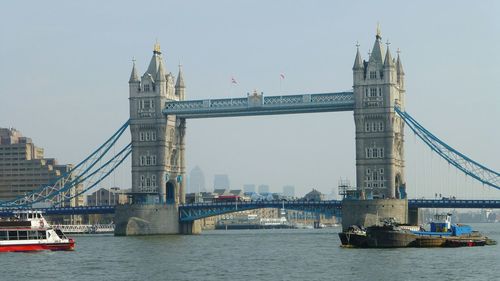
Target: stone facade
{"points": [[378, 87], [370, 212], [158, 162]]}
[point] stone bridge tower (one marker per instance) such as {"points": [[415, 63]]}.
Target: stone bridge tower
{"points": [[378, 87], [158, 162]]}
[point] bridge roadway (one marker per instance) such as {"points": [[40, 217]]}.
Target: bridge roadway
{"points": [[190, 212]]}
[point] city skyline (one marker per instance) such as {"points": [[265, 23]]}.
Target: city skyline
{"points": [[449, 84]]}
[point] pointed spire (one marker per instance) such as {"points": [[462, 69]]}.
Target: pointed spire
{"points": [[376, 54], [160, 75], [134, 77], [399, 65], [388, 62], [379, 34], [155, 63], [358, 63], [180, 79]]}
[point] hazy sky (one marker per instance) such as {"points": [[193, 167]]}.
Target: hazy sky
{"points": [[64, 69]]}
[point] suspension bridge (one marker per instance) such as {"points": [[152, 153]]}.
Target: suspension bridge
{"points": [[158, 114], [90, 172]]}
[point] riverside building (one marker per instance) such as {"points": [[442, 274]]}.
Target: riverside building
{"points": [[23, 167]]}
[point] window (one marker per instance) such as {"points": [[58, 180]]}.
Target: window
{"points": [[381, 171], [141, 184], [141, 136], [373, 74], [374, 127], [153, 180], [143, 160], [12, 235], [42, 234], [382, 152], [373, 92], [147, 136], [379, 92], [367, 126], [381, 126], [153, 160], [148, 182], [146, 88], [148, 160], [374, 152], [368, 171], [366, 92], [153, 135]]}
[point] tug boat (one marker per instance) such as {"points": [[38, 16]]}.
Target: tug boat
{"points": [[28, 231], [390, 234]]}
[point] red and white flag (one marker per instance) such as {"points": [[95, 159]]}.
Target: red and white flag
{"points": [[282, 76], [233, 80]]}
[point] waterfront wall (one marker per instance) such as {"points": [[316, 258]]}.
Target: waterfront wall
{"points": [[369, 212], [146, 220]]}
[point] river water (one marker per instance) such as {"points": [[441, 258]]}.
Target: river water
{"points": [[288, 254]]}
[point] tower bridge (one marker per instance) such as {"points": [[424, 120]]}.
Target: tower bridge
{"points": [[159, 110], [158, 115]]}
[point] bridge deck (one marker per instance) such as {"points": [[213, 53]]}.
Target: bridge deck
{"points": [[260, 105], [201, 210]]}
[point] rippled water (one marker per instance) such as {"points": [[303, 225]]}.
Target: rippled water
{"points": [[251, 255]]}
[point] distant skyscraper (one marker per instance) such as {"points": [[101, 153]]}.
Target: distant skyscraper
{"points": [[264, 188], [289, 190], [196, 180], [249, 188], [221, 181]]}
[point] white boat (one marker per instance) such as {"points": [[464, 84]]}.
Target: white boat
{"points": [[29, 231]]}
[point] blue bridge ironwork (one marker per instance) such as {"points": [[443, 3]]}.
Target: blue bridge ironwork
{"points": [[90, 172], [190, 212], [258, 104]]}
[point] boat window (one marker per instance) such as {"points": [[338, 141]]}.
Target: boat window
{"points": [[32, 235], [23, 235], [60, 234], [3, 235], [12, 235], [42, 235]]}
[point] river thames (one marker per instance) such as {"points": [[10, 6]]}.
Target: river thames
{"points": [[251, 255]]}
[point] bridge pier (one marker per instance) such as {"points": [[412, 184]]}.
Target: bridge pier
{"points": [[413, 216], [138, 219], [369, 212], [188, 228]]}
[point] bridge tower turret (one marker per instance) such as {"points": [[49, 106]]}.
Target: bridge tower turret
{"points": [[378, 87], [158, 162], [157, 157]]}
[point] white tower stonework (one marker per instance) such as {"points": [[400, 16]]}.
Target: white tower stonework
{"points": [[158, 162], [378, 87], [158, 165]]}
